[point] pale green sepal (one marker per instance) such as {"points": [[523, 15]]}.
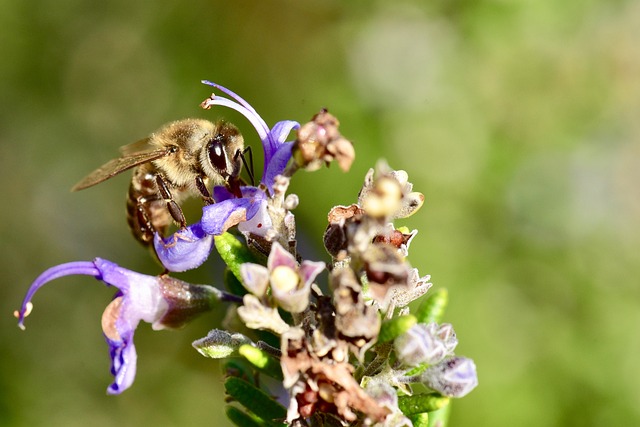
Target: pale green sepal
{"points": [[393, 328], [419, 403]]}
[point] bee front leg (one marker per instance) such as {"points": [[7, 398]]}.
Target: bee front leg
{"points": [[172, 206], [204, 191]]}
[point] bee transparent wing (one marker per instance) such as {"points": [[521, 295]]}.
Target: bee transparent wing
{"points": [[137, 147], [119, 165]]}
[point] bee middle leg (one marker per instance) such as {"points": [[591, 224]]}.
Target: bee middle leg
{"points": [[172, 206]]}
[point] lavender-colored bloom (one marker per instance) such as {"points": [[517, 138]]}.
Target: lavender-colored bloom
{"points": [[453, 377], [163, 301], [290, 283], [250, 210]]}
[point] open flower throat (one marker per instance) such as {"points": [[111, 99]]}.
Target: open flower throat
{"points": [[351, 351]]}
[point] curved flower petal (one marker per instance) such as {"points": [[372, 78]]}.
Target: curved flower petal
{"points": [[453, 377], [71, 268], [219, 217], [296, 299], [276, 137], [279, 256], [241, 106], [282, 129], [309, 270], [185, 249], [255, 278], [123, 355], [277, 164]]}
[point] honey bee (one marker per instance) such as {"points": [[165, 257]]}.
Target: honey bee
{"points": [[181, 159]]}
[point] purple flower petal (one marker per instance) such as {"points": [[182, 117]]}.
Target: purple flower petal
{"points": [[185, 249], [282, 129], [219, 217], [119, 337], [240, 106], [123, 366], [222, 193], [71, 268], [276, 137], [277, 164]]}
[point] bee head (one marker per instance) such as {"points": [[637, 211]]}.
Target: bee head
{"points": [[223, 152]]}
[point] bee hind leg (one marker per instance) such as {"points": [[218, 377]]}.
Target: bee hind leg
{"points": [[143, 229]]}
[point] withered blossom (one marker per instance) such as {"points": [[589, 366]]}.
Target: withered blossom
{"points": [[388, 193], [321, 384], [385, 270], [400, 238], [319, 142], [357, 322]]}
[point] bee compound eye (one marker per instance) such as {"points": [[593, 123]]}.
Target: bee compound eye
{"points": [[217, 156]]}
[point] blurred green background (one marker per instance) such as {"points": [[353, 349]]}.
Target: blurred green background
{"points": [[519, 121]]}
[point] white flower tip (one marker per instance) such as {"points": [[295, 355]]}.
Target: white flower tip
{"points": [[20, 316]]}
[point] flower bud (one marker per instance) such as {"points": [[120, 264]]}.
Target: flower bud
{"points": [[425, 344], [453, 377]]}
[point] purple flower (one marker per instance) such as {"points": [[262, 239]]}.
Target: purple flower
{"points": [[163, 301], [250, 210]]}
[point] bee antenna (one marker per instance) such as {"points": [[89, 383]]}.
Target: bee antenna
{"points": [[248, 167]]}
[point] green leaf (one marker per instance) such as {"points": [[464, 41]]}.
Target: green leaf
{"points": [[239, 368], [432, 309], [419, 403], [263, 361], [393, 328], [241, 418], [233, 252], [254, 399], [233, 284]]}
